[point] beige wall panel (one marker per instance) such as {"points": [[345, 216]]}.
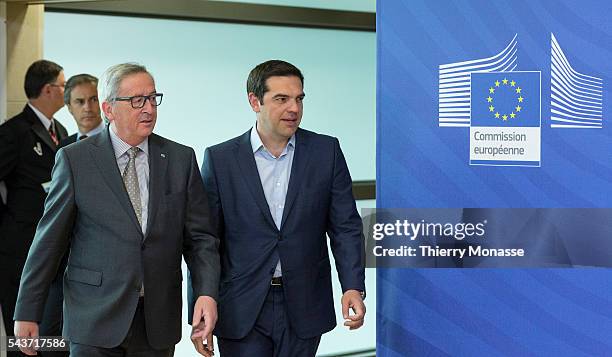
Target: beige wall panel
{"points": [[2, 69], [24, 32]]}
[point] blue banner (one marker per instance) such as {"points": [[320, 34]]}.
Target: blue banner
{"points": [[445, 82]]}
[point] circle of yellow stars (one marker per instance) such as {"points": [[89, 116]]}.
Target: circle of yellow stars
{"points": [[517, 109]]}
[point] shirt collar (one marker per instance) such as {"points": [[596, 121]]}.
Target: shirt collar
{"points": [[46, 122], [257, 144], [121, 147], [93, 131]]}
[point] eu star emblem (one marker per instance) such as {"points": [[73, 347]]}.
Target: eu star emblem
{"points": [[505, 99]]}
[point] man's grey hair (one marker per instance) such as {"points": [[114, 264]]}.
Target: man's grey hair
{"points": [[112, 77]]}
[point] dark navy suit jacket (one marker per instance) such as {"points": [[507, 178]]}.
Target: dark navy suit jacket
{"points": [[319, 201]]}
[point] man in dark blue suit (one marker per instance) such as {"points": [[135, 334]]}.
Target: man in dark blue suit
{"points": [[275, 192]]}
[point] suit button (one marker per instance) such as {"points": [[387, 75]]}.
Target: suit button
{"points": [[142, 247], [280, 237]]}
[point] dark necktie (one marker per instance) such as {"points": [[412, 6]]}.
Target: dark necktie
{"points": [[82, 137], [52, 134]]}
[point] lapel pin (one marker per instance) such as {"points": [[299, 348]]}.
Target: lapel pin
{"points": [[38, 149], [163, 155]]}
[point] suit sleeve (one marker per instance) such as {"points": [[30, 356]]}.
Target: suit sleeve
{"points": [[345, 229], [8, 158], [50, 243], [214, 202], [9, 152], [201, 246], [216, 217]]}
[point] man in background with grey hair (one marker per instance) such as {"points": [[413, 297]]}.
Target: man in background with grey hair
{"points": [[81, 98], [134, 204]]}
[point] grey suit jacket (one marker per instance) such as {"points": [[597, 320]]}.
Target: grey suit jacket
{"points": [[109, 255]]}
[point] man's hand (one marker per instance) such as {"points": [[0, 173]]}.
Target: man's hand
{"points": [[26, 329], [203, 323], [352, 300]]}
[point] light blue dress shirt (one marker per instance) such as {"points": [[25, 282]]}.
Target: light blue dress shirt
{"points": [[274, 173]]}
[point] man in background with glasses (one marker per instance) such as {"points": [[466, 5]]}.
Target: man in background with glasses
{"points": [[28, 143], [134, 204]]}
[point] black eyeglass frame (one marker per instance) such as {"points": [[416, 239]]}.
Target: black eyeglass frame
{"points": [[150, 98]]}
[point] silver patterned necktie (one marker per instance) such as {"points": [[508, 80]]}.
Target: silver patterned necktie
{"points": [[130, 180]]}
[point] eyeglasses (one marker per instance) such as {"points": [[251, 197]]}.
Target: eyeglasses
{"points": [[138, 101]]}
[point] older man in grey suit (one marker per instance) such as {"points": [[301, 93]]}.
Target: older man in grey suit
{"points": [[133, 203]]}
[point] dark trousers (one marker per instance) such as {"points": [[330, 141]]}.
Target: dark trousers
{"points": [[135, 344], [9, 282], [51, 325], [272, 335]]}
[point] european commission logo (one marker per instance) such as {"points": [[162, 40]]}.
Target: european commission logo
{"points": [[502, 106], [505, 118], [576, 98]]}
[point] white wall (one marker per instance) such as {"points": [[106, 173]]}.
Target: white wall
{"points": [[202, 67]]}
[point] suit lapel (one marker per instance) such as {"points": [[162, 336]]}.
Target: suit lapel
{"points": [[246, 161], [39, 129], [158, 164], [60, 130], [298, 168], [104, 156]]}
